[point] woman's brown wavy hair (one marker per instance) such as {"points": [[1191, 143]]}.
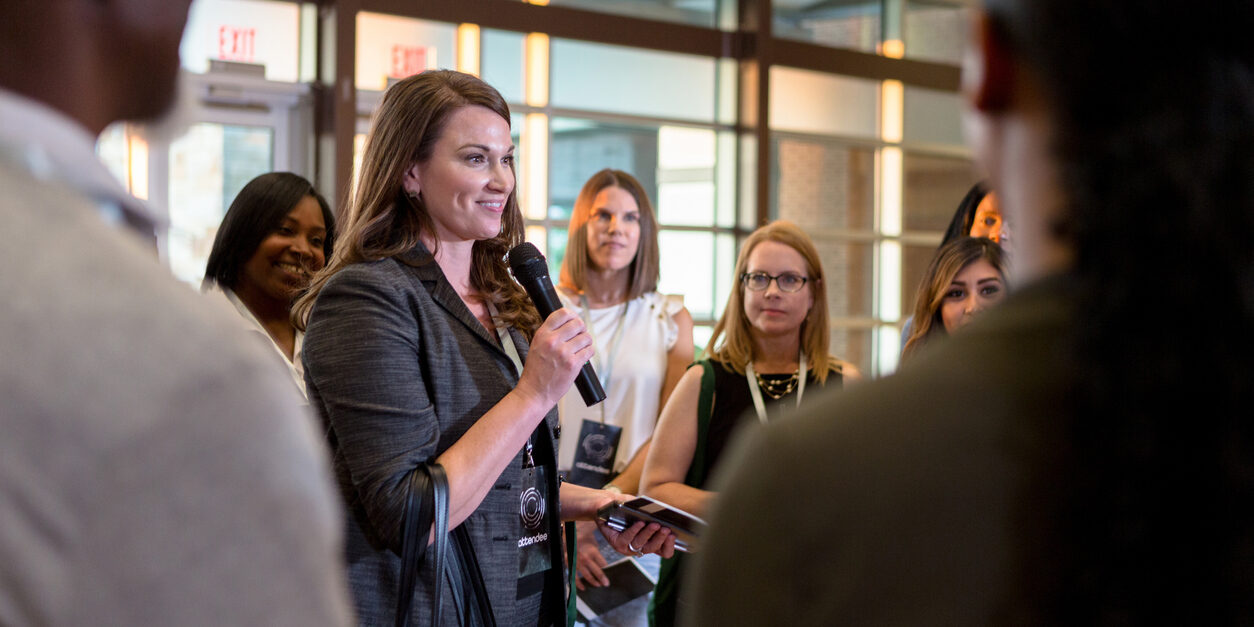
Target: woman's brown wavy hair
{"points": [[383, 221]]}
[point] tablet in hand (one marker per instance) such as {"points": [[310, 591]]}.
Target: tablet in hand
{"points": [[686, 527]]}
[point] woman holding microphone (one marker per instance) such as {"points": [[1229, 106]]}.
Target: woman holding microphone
{"points": [[420, 347]]}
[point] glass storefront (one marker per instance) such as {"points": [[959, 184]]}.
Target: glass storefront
{"points": [[872, 169]]}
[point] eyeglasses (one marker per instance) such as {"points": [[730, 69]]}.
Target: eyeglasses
{"points": [[787, 282]]}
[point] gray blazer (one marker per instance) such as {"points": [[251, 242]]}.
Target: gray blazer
{"points": [[399, 369]]}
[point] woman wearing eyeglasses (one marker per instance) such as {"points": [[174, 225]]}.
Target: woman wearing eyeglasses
{"points": [[768, 352]]}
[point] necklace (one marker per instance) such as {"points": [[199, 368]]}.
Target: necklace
{"points": [[778, 388]]}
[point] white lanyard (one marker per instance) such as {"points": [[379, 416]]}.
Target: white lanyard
{"points": [[752, 378], [605, 366], [507, 343]]}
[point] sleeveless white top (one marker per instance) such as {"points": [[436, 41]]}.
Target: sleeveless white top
{"points": [[638, 371]]}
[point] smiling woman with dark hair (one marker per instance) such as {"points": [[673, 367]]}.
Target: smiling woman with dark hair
{"points": [[276, 234]]}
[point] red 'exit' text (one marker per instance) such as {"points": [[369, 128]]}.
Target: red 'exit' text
{"points": [[237, 44]]}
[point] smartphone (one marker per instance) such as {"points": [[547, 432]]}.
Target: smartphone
{"points": [[686, 527]]}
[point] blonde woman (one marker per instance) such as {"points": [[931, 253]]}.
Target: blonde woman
{"points": [[768, 350], [643, 343]]}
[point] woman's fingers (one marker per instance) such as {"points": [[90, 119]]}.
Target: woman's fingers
{"points": [[662, 543], [635, 539], [559, 349], [591, 563], [590, 568]]}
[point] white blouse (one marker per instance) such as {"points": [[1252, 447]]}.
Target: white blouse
{"points": [[295, 366], [637, 371]]}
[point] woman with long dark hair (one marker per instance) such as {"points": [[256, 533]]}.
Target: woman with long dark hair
{"points": [[1084, 454], [978, 215], [967, 276]]}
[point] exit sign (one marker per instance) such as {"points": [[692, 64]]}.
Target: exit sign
{"points": [[409, 60], [237, 44]]}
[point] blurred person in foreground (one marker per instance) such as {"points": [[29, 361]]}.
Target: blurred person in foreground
{"points": [[153, 470], [1085, 464]]}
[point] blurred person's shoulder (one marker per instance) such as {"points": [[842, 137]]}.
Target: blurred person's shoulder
{"points": [[1006, 363], [151, 447], [904, 498], [95, 313]]}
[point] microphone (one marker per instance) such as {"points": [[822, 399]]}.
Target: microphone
{"points": [[532, 272]]}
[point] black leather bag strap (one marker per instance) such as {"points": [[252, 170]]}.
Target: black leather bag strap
{"points": [[439, 483], [426, 506], [477, 606]]}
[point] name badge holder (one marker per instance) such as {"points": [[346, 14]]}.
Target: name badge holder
{"points": [[533, 514], [598, 442]]}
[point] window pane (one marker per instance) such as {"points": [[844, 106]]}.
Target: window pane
{"points": [[813, 102], [111, 148], [615, 79], [824, 185], [933, 188], [933, 117], [935, 30], [747, 189], [695, 12], [701, 334], [580, 148], [845, 24], [537, 235], [688, 265], [850, 271], [686, 176], [395, 47], [853, 346], [914, 263], [244, 31], [558, 237], [208, 166], [724, 271], [689, 204], [727, 187], [678, 167], [501, 62]]}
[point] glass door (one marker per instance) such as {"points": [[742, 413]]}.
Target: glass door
{"points": [[225, 130], [208, 165]]}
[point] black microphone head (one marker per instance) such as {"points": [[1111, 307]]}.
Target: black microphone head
{"points": [[526, 262]]}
